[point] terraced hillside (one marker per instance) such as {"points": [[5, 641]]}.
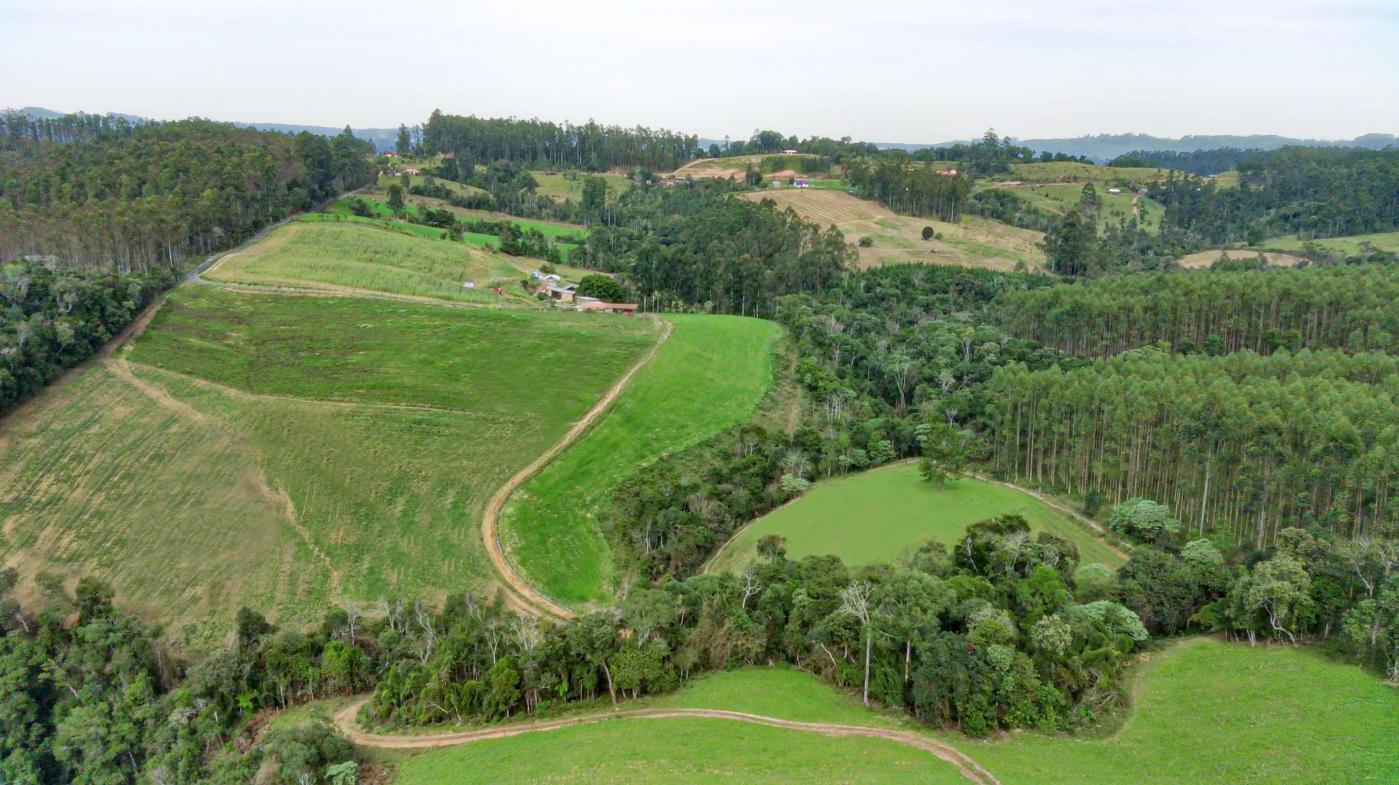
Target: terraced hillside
{"points": [[355, 257], [288, 452], [710, 374]]}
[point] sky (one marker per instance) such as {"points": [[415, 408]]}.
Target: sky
{"points": [[874, 70]]}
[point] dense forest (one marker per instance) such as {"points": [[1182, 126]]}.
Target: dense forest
{"points": [[1308, 191], [1243, 445], [155, 194], [53, 319], [1350, 307], [694, 247], [909, 187], [592, 147]]}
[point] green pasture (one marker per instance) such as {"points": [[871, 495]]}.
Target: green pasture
{"points": [[879, 515]]}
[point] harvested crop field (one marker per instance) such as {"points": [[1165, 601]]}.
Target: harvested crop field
{"points": [[898, 239]]}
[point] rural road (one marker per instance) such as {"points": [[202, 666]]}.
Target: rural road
{"points": [[970, 769], [523, 597]]}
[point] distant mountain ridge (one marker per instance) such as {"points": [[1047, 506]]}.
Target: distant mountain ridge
{"points": [[1105, 147]]}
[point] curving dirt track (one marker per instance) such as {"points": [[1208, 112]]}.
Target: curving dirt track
{"points": [[521, 596], [345, 722]]}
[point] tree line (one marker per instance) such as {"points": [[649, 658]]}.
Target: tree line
{"points": [[1343, 307], [155, 194], [1239, 445], [539, 143], [52, 319], [695, 247], [1201, 162]]}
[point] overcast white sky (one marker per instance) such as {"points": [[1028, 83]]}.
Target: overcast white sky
{"points": [[872, 69]]}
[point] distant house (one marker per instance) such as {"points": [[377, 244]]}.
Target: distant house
{"points": [[563, 294], [789, 152], [553, 278], [469, 285], [411, 170], [1114, 190], [775, 184], [389, 154], [801, 182]]}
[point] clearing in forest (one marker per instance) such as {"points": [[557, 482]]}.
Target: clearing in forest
{"points": [[288, 452], [1349, 245], [1078, 172], [876, 516], [709, 375], [358, 257], [898, 239], [568, 186], [1205, 259], [1059, 198]]}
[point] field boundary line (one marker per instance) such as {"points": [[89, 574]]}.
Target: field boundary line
{"points": [[521, 594], [966, 766]]}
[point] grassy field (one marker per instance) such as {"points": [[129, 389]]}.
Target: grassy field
{"points": [[1206, 713], [678, 752], [1060, 197], [1209, 712], [898, 239], [1075, 172], [711, 374], [286, 452], [1205, 259], [876, 516], [357, 256], [560, 186], [1350, 245]]}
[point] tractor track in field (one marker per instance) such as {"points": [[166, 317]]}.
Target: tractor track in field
{"points": [[521, 595], [966, 766]]}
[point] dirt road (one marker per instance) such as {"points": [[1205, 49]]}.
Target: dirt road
{"points": [[521, 596], [345, 721]]}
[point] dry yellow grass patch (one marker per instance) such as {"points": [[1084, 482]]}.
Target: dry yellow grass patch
{"points": [[898, 239], [1204, 259]]}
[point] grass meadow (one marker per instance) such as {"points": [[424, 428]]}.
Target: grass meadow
{"points": [[711, 374], [568, 186], [675, 752], [898, 239], [1350, 245], [359, 256], [1214, 713], [1205, 712], [286, 452], [876, 516], [1077, 172]]}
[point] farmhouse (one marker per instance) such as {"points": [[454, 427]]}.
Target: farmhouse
{"points": [[801, 182], [563, 294], [1114, 190], [789, 152]]}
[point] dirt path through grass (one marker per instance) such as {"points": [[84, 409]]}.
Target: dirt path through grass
{"points": [[345, 722], [522, 596]]}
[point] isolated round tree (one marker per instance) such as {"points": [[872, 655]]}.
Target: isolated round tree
{"points": [[601, 287], [927, 233]]}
